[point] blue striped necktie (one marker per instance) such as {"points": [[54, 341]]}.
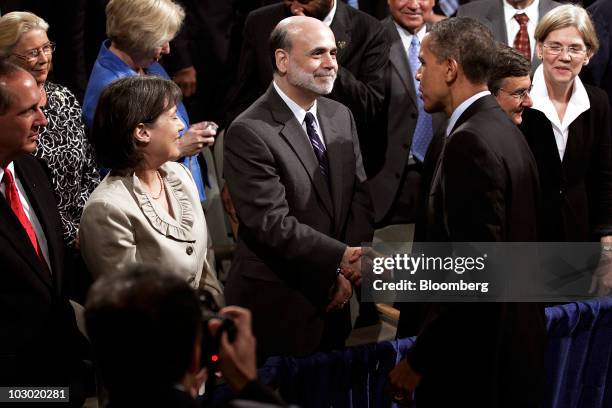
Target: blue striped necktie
{"points": [[317, 145], [423, 131]]}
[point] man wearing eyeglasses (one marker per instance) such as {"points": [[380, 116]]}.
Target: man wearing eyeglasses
{"points": [[510, 82]]}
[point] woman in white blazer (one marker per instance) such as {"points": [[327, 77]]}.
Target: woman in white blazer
{"points": [[147, 209]]}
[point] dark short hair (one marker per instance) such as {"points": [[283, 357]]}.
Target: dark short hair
{"points": [[122, 106], [143, 324], [508, 63], [7, 69], [279, 38], [468, 42]]}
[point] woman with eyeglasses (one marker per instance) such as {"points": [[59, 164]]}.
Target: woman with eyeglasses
{"points": [[568, 129], [62, 143]]}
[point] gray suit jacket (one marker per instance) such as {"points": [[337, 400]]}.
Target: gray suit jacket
{"points": [[491, 14], [294, 228], [401, 109]]}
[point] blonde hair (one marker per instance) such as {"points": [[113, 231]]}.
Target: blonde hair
{"points": [[569, 15], [140, 26], [13, 25]]}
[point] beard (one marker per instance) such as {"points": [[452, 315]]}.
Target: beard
{"points": [[296, 76]]}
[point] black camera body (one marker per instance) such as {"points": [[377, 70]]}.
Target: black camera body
{"points": [[211, 341]]}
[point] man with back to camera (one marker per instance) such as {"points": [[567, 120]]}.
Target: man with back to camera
{"points": [[40, 344], [145, 326], [510, 82], [293, 166], [485, 189]]}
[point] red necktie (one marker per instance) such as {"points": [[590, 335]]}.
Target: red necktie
{"points": [[12, 198], [521, 41]]}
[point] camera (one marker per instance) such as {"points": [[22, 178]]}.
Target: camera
{"points": [[209, 309]]}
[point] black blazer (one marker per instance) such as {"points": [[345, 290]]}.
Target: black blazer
{"points": [[576, 192], [363, 53], [293, 226], [39, 341], [485, 189]]}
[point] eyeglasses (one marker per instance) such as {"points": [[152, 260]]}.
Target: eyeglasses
{"points": [[573, 50], [519, 94], [33, 54]]}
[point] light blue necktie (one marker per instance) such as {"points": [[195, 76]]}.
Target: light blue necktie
{"points": [[423, 131], [353, 3], [449, 7]]}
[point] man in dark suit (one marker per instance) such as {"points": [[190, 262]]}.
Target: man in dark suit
{"points": [[362, 56], [293, 167], [511, 21], [40, 344], [485, 189], [409, 129], [599, 70]]}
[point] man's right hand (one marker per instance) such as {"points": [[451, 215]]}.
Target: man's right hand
{"points": [[237, 360], [350, 266], [197, 137]]}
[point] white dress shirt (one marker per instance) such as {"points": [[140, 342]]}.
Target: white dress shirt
{"points": [[406, 37], [578, 103], [29, 211], [330, 17], [300, 114], [512, 26], [462, 108]]}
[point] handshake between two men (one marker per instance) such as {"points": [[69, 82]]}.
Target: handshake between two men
{"points": [[349, 274]]}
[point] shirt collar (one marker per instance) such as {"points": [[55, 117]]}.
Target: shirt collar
{"points": [[111, 61], [531, 11], [297, 110], [406, 36], [330, 17], [462, 108], [11, 167], [579, 101]]}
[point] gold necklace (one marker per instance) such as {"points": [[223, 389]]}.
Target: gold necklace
{"points": [[161, 187]]}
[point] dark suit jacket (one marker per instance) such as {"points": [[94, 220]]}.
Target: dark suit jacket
{"points": [[362, 57], [485, 190], [39, 341], [398, 121], [599, 70], [491, 14], [576, 192], [293, 231]]}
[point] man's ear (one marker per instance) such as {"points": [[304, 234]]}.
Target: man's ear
{"points": [[452, 68], [141, 134], [282, 60]]}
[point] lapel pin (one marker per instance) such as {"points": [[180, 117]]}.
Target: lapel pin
{"points": [[341, 44]]}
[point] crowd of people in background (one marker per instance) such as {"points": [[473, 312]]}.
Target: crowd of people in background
{"points": [[139, 139]]}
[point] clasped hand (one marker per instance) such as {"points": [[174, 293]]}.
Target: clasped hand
{"points": [[197, 137]]}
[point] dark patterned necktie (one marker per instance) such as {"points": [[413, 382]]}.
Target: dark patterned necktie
{"points": [[521, 41], [317, 145]]}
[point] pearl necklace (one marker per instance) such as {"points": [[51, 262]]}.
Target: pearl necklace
{"points": [[161, 187]]}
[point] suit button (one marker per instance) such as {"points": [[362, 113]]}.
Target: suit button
{"points": [[189, 250], [406, 146], [414, 115], [397, 175]]}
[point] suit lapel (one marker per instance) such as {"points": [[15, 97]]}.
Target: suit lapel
{"points": [[17, 235], [399, 61], [335, 154], [293, 133], [340, 26], [497, 23]]}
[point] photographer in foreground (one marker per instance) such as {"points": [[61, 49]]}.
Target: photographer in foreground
{"points": [[146, 330]]}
